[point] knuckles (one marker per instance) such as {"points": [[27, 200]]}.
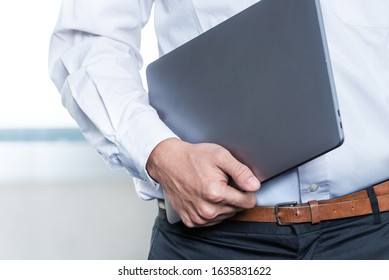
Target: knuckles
{"points": [[241, 172], [219, 153], [207, 213], [252, 202], [213, 195], [194, 222]]}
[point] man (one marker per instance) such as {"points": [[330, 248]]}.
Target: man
{"points": [[94, 62]]}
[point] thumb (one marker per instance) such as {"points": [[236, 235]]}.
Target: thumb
{"points": [[240, 174]]}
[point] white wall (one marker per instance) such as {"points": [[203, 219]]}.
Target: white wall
{"points": [[60, 201], [27, 96]]}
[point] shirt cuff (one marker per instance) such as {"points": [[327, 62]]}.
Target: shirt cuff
{"points": [[145, 131]]}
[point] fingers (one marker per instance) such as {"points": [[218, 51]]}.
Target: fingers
{"points": [[213, 222], [239, 172], [216, 205], [209, 215], [194, 179], [221, 201], [238, 199], [220, 204], [219, 193]]}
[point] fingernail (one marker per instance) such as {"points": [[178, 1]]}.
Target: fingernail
{"points": [[253, 183]]}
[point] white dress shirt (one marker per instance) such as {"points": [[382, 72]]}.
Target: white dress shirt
{"points": [[94, 62]]}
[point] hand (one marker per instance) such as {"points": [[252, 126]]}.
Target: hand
{"points": [[195, 181]]}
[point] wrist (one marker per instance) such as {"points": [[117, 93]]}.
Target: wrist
{"points": [[160, 154]]}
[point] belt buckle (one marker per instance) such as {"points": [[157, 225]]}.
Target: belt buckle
{"points": [[277, 207]]}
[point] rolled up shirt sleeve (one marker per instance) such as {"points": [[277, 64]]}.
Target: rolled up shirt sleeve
{"points": [[94, 61]]}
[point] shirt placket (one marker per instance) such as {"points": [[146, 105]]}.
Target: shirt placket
{"points": [[313, 180]]}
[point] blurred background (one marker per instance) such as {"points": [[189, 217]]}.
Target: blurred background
{"points": [[58, 199]]}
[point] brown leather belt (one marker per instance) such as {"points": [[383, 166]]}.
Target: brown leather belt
{"points": [[355, 204]]}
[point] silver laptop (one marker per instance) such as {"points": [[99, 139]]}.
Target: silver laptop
{"points": [[260, 84]]}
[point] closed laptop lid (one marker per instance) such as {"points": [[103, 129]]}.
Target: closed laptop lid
{"points": [[259, 84]]}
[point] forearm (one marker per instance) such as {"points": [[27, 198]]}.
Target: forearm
{"points": [[95, 65]]}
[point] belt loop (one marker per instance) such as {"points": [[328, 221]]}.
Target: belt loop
{"points": [[374, 205], [315, 214]]}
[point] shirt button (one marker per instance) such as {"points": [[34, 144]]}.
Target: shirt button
{"points": [[313, 187]]}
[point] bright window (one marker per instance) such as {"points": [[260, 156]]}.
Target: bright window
{"points": [[28, 98]]}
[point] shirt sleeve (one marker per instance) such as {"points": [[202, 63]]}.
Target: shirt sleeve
{"points": [[94, 61]]}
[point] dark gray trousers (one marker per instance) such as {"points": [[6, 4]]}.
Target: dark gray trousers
{"points": [[349, 238]]}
